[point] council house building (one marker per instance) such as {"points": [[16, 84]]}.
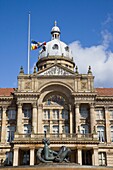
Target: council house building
{"points": [[60, 101]]}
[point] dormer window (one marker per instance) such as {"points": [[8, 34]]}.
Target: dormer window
{"points": [[67, 48], [55, 47]]}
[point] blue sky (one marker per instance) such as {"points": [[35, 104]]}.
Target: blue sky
{"points": [[86, 25]]}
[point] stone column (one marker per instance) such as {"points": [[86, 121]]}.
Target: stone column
{"points": [[60, 121], [79, 156], [32, 156], [4, 131], [40, 116], [19, 119], [77, 117], [16, 157], [51, 122], [107, 127], [92, 118], [95, 157], [34, 118], [71, 119]]}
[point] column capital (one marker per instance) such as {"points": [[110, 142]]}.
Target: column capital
{"points": [[19, 104], [34, 104], [106, 108], [92, 105], [77, 105], [4, 108]]}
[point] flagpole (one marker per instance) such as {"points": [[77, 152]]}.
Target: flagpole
{"points": [[29, 42]]}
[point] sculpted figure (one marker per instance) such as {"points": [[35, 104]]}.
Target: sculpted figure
{"points": [[45, 154]]}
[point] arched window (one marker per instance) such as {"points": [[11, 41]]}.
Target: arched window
{"points": [[55, 109], [55, 100], [55, 47]]}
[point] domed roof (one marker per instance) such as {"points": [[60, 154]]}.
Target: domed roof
{"points": [[55, 47], [55, 29]]}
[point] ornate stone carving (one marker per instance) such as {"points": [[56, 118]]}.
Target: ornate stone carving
{"points": [[28, 85], [55, 71]]}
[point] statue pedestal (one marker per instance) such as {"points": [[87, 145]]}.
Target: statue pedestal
{"points": [[57, 166]]}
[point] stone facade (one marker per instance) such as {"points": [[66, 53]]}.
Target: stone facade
{"points": [[65, 104]]}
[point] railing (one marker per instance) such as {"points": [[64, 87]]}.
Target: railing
{"points": [[56, 137]]}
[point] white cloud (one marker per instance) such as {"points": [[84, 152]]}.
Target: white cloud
{"points": [[98, 57]]}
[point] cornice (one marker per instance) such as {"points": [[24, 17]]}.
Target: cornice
{"points": [[82, 94], [26, 93]]}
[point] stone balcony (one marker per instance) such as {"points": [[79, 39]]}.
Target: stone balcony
{"points": [[56, 138]]}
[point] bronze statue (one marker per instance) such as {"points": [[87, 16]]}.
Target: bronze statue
{"points": [[45, 154]]}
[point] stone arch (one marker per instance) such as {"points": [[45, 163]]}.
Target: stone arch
{"points": [[51, 88]]}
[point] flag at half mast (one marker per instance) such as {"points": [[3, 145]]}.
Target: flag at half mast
{"points": [[35, 45]]}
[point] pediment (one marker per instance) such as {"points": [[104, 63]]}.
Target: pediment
{"points": [[57, 70]]}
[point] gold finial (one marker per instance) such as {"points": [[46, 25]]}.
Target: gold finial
{"points": [[55, 23]]}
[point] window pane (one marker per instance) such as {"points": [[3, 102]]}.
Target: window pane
{"points": [[46, 114], [27, 112], [84, 112], [55, 114], [100, 114], [10, 133], [65, 114], [11, 114], [111, 114], [101, 133]]}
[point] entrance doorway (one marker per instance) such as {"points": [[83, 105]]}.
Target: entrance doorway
{"points": [[86, 157]]}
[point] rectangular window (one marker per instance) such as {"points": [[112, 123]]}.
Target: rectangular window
{"points": [[101, 133], [111, 114], [27, 129], [11, 114], [65, 129], [27, 112], [10, 133], [46, 128], [55, 130], [100, 114], [9, 159], [111, 133], [56, 114], [84, 112], [0, 114], [102, 158], [46, 114], [65, 114]]}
